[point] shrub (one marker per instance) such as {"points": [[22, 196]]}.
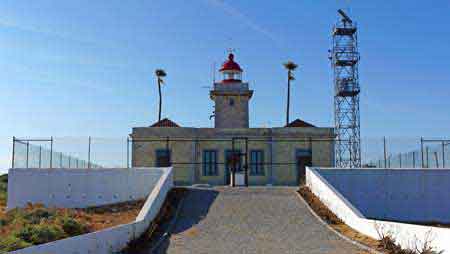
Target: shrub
{"points": [[37, 214], [3, 189], [42, 233], [11, 243], [73, 227], [25, 233]]}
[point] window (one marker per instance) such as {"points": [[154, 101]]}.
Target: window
{"points": [[210, 163], [162, 158], [257, 162]]}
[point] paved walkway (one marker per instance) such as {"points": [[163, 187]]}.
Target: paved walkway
{"points": [[250, 220]]}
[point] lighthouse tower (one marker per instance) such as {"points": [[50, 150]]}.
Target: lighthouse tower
{"points": [[231, 97]]}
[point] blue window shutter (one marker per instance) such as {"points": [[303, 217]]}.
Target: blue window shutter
{"points": [[215, 163], [204, 163], [262, 163]]}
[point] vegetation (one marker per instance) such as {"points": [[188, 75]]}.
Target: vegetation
{"points": [[290, 67], [35, 224], [386, 244], [3, 189], [158, 228]]}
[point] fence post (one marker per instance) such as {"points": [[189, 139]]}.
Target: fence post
{"points": [[385, 154], [414, 159], [400, 160], [128, 152], [421, 151], [428, 161], [13, 151], [89, 153], [443, 154], [60, 160], [28, 150], [436, 159], [40, 156], [69, 161], [51, 152]]}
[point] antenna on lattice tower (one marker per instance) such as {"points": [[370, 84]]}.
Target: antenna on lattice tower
{"points": [[231, 49], [214, 72], [347, 6], [344, 57]]}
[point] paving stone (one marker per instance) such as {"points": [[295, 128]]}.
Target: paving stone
{"points": [[250, 220]]}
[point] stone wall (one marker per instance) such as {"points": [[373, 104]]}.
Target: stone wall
{"points": [[231, 116]]}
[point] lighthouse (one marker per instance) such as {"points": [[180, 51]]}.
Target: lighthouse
{"points": [[231, 97]]}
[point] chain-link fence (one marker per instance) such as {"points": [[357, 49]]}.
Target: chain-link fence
{"points": [[93, 152], [406, 153], [63, 153]]}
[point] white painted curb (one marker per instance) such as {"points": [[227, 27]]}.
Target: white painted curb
{"points": [[343, 237]]}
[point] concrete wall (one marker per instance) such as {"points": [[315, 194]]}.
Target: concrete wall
{"points": [[79, 188], [414, 195], [407, 235], [187, 146], [114, 239]]}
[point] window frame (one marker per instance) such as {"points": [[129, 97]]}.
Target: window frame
{"points": [[257, 167], [210, 166]]}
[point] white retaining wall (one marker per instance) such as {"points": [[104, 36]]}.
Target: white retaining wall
{"points": [[79, 188], [412, 195], [114, 239], [407, 235]]}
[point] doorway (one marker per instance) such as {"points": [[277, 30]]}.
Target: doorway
{"points": [[303, 160], [236, 162]]}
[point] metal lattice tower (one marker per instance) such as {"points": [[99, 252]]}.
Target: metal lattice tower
{"points": [[344, 57]]}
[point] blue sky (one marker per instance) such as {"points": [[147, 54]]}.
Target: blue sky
{"points": [[80, 68]]}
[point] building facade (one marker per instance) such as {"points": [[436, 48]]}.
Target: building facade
{"points": [[264, 156]]}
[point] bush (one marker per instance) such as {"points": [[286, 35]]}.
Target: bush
{"points": [[42, 233], [24, 233], [37, 214], [3, 189], [11, 243], [73, 227]]}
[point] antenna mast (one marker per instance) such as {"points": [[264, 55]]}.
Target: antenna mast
{"points": [[344, 57]]}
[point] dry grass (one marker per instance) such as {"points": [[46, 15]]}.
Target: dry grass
{"points": [[35, 224], [387, 243], [156, 228], [3, 193], [321, 210], [102, 217]]}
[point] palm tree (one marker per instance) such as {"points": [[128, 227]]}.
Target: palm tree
{"points": [[290, 66], [160, 74]]}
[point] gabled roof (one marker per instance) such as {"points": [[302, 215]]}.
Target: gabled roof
{"points": [[299, 123], [165, 123]]}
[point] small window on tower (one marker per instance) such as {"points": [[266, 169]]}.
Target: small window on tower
{"points": [[231, 102]]}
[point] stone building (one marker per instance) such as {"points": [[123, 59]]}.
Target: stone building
{"points": [[231, 151]]}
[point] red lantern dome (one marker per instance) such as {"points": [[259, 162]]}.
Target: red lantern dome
{"points": [[230, 65], [231, 70]]}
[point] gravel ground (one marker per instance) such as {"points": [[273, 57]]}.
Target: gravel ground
{"points": [[250, 220]]}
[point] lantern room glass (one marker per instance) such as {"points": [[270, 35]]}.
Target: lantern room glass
{"points": [[232, 76]]}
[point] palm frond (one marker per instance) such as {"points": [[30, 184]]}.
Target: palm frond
{"points": [[290, 65], [160, 73]]}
